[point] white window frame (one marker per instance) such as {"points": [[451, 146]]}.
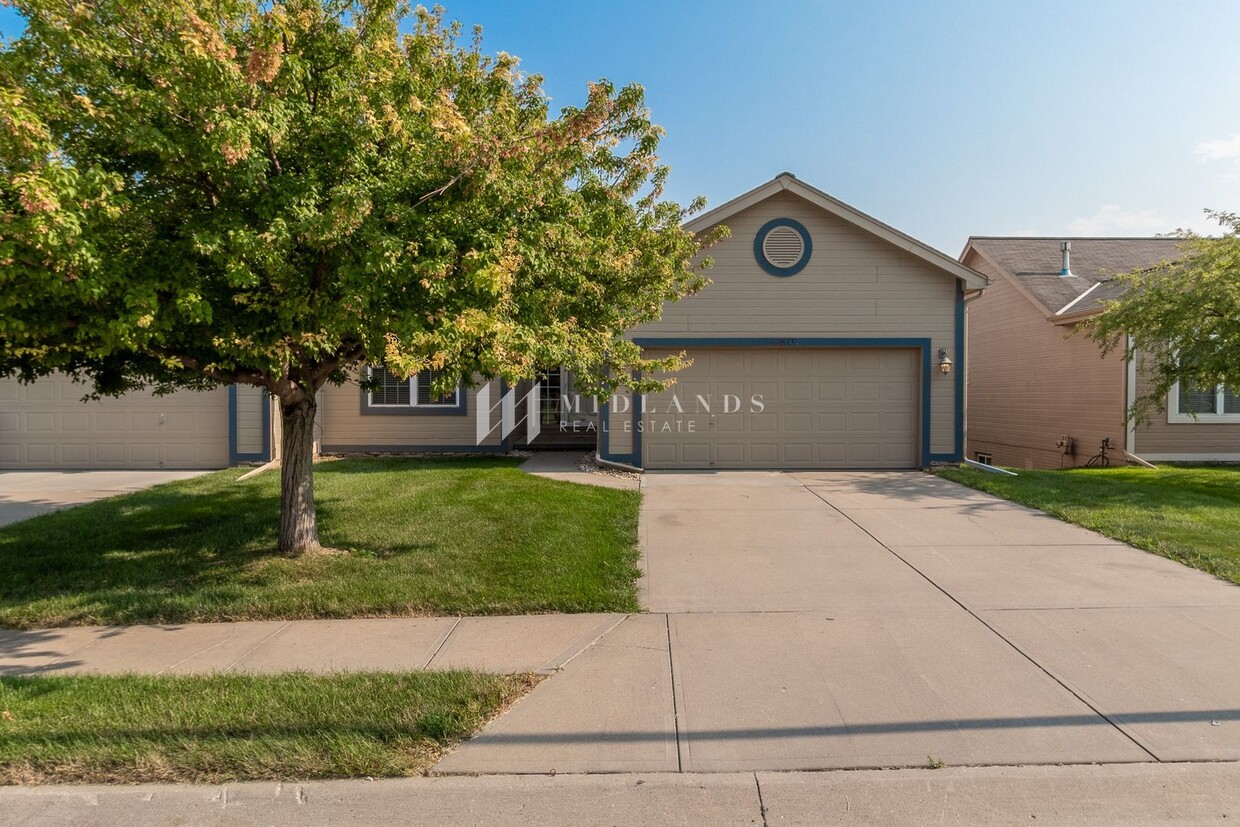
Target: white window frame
{"points": [[413, 396], [1175, 417]]}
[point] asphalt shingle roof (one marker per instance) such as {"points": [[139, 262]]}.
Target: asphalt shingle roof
{"points": [[1035, 263]]}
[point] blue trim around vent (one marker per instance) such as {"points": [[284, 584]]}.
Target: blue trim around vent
{"points": [[800, 230], [922, 343]]}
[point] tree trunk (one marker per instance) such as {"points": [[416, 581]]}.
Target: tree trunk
{"points": [[299, 530]]}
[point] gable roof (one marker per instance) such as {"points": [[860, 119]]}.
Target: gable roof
{"points": [[787, 182], [1033, 263]]}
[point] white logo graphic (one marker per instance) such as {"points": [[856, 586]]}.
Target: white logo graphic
{"points": [[507, 406]]}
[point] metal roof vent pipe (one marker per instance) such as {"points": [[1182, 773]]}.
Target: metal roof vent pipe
{"points": [[1066, 268]]}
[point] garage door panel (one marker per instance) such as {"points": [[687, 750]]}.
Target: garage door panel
{"points": [[830, 454], [831, 391], [75, 421], [763, 423], [764, 453], [38, 392], [823, 408], [864, 390], [865, 453], [110, 453], [41, 423], [798, 391], [833, 423], [110, 423], [42, 453], [797, 423], [47, 425]]}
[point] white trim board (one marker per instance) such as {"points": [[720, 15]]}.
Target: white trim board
{"points": [[1191, 457]]}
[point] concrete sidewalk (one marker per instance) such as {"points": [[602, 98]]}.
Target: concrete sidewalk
{"points": [[822, 621], [529, 643], [1132, 795]]}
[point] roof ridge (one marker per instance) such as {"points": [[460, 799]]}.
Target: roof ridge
{"points": [[1074, 238]]}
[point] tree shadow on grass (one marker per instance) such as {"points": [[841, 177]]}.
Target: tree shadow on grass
{"points": [[120, 551]]}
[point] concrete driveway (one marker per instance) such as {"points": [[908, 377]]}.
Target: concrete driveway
{"points": [[25, 494], [829, 620]]}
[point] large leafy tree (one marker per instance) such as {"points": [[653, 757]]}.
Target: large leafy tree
{"points": [[1182, 318], [206, 192]]}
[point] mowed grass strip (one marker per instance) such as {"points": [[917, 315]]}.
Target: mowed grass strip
{"points": [[97, 729], [236, 727], [470, 536], [1189, 514]]}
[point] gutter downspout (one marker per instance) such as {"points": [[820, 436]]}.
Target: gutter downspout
{"points": [[964, 358], [1130, 399]]}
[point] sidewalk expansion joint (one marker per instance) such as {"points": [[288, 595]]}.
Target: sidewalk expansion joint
{"points": [[443, 642], [671, 666], [761, 804], [582, 644], [1058, 680], [257, 646]]}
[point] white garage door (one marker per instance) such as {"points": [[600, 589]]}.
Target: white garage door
{"points": [[787, 408], [46, 425]]}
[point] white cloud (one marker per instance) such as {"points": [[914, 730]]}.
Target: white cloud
{"points": [[1219, 149], [1114, 220]]}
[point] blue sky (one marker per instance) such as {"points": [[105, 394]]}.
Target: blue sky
{"points": [[944, 119]]}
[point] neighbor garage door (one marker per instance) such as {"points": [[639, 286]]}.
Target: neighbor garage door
{"points": [[46, 425], [787, 408]]}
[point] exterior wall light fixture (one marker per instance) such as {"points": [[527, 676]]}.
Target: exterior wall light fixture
{"points": [[945, 364]]}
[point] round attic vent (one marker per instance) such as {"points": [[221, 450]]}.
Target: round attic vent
{"points": [[782, 247]]}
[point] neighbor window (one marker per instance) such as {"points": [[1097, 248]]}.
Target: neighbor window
{"points": [[390, 391], [1221, 404]]}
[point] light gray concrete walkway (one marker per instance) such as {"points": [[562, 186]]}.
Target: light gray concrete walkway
{"points": [[816, 621], [25, 494], [564, 466], [530, 643], [1131, 795]]}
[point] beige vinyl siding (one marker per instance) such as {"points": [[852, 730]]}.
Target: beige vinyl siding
{"points": [[345, 428], [1185, 440], [249, 419], [619, 437], [46, 425], [1031, 382], [855, 285]]}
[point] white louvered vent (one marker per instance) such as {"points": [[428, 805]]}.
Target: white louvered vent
{"points": [[783, 247]]}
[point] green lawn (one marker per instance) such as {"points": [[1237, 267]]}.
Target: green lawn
{"points": [[432, 536], [1190, 514], [236, 727]]}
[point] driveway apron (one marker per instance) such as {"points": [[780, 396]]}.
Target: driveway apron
{"points": [[846, 620]]}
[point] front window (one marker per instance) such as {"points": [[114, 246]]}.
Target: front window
{"points": [[417, 391], [1205, 405]]}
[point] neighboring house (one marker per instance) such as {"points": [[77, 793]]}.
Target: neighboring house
{"points": [[826, 340], [47, 425], [1040, 393]]}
